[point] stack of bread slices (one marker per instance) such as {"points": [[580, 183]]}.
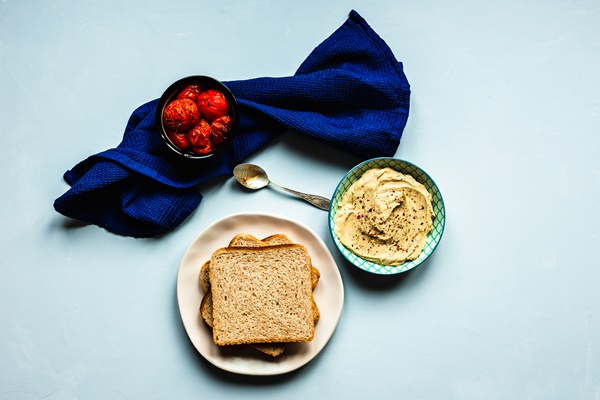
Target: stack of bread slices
{"points": [[260, 293]]}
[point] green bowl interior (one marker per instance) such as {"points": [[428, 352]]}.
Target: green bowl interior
{"points": [[404, 167]]}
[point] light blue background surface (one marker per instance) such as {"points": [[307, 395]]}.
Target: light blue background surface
{"points": [[504, 116]]}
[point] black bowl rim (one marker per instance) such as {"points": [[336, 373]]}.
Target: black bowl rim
{"points": [[206, 81]]}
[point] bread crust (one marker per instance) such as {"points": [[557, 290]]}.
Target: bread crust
{"points": [[204, 277]]}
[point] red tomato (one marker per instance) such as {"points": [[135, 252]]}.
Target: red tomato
{"points": [[190, 92], [212, 104], [178, 139], [219, 129], [199, 138], [181, 115]]}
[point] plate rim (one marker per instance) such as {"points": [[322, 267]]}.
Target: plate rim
{"points": [[339, 304]]}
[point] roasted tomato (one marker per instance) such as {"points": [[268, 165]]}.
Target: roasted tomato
{"points": [[190, 92], [199, 138], [179, 139], [212, 104], [181, 115], [219, 129]]}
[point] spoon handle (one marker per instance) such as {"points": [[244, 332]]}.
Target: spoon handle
{"points": [[317, 201]]}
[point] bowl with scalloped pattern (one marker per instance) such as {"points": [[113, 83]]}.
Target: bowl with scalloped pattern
{"points": [[405, 167]]}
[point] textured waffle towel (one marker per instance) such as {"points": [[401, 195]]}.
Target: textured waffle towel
{"points": [[350, 92]]}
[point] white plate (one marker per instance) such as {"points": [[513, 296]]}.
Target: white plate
{"points": [[329, 294]]}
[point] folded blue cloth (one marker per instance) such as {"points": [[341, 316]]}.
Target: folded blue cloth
{"points": [[350, 92]]}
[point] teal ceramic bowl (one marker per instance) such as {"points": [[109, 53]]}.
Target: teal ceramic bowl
{"points": [[434, 237]]}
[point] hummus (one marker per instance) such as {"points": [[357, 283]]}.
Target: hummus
{"points": [[385, 217]]}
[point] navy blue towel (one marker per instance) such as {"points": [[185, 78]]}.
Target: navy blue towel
{"points": [[350, 92]]}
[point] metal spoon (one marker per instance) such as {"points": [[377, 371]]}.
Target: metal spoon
{"points": [[254, 177]]}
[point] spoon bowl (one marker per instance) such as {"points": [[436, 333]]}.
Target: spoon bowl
{"points": [[251, 176]]}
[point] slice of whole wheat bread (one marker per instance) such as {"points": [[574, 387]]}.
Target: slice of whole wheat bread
{"points": [[247, 240], [261, 295]]}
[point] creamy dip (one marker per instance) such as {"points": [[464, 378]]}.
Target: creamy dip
{"points": [[385, 217]]}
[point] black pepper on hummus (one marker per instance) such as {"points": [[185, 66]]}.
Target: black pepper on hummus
{"points": [[385, 217]]}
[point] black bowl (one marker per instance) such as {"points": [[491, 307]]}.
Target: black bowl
{"points": [[205, 82]]}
